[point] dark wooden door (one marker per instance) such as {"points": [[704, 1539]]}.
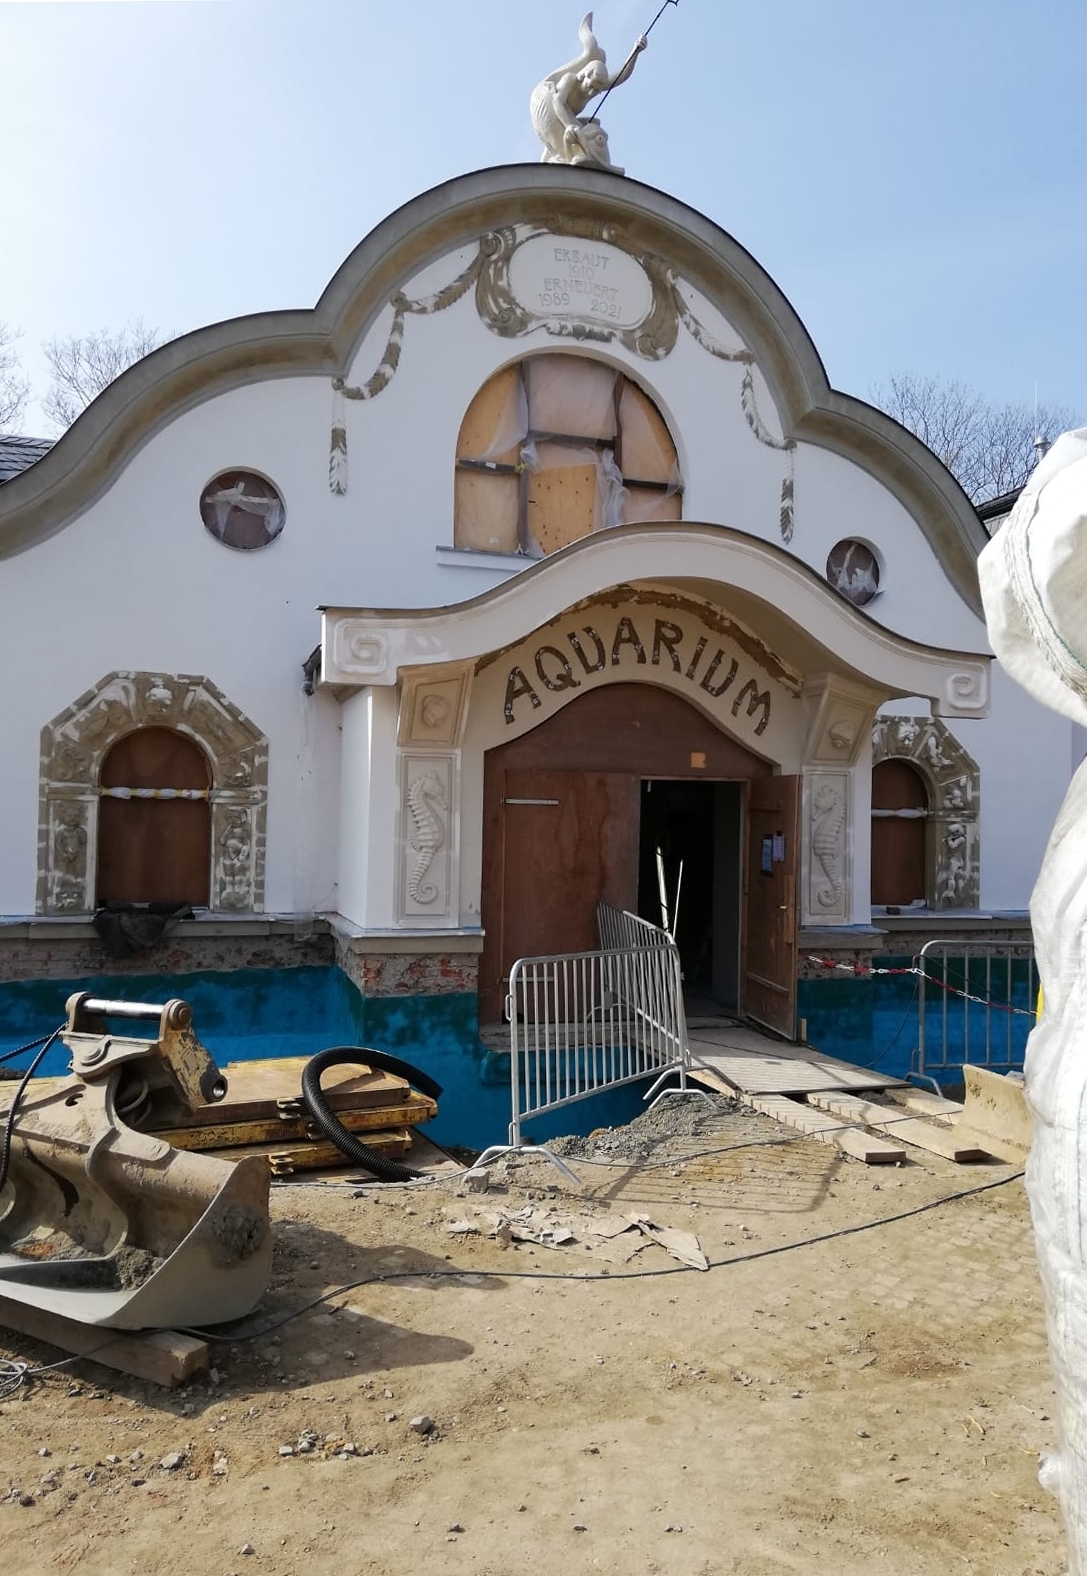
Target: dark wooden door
{"points": [[155, 850], [769, 972], [566, 839], [899, 834]]}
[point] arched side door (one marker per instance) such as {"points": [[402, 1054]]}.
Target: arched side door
{"points": [[150, 849]]}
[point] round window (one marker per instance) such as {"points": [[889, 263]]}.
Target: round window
{"points": [[853, 571], [242, 510]]}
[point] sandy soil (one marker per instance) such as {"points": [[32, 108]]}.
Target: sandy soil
{"points": [[874, 1402]]}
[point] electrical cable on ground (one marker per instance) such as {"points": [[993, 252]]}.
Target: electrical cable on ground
{"points": [[228, 1337], [14, 1375]]}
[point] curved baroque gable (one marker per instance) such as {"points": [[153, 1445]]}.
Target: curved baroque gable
{"points": [[673, 243]]}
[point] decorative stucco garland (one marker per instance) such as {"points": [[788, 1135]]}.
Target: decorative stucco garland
{"points": [[390, 360], [501, 244], [786, 445], [748, 403]]}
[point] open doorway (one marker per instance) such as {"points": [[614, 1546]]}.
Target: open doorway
{"points": [[569, 816], [690, 881]]}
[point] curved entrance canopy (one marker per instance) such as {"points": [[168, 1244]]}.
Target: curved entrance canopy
{"points": [[805, 628], [739, 631]]}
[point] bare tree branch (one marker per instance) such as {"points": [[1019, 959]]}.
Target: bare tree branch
{"points": [[990, 449], [14, 386], [83, 365]]}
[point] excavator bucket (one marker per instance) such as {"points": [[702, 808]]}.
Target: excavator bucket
{"points": [[101, 1220]]}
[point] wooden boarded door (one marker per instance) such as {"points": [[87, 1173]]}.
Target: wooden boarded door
{"points": [[567, 839], [769, 970]]}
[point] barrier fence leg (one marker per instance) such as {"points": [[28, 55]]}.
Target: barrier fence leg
{"points": [[680, 1071]]}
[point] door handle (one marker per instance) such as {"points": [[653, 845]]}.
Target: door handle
{"points": [[783, 907]]}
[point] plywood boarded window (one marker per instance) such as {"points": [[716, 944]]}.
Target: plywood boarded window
{"points": [[900, 807], [556, 447], [154, 821]]}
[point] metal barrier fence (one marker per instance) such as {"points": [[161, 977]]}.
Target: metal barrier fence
{"points": [[976, 1004], [583, 1022], [587, 1021], [619, 928]]}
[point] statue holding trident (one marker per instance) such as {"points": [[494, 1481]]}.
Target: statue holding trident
{"points": [[569, 136], [1034, 585]]}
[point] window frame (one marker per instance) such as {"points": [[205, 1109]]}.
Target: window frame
{"points": [[600, 446]]}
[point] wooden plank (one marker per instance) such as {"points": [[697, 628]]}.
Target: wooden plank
{"points": [[486, 508], [561, 497], [285, 1158], [420, 1155], [924, 1103], [268, 1080], [165, 1357], [910, 1130], [850, 1140], [647, 453], [275, 1129], [494, 413], [709, 1079]]}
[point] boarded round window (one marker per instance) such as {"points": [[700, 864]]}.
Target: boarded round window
{"points": [[242, 510], [853, 571]]}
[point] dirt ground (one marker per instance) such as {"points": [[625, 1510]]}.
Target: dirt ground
{"points": [[873, 1402]]}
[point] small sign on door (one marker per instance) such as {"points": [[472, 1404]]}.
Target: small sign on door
{"points": [[766, 862], [779, 848]]}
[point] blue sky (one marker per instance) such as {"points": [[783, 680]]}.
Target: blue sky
{"points": [[910, 172]]}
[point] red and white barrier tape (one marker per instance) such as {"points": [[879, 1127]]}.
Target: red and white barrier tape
{"points": [[861, 971]]}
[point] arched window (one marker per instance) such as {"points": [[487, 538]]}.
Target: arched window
{"points": [[154, 820], [555, 447], [900, 808]]}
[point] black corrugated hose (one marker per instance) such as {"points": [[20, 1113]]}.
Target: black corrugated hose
{"points": [[326, 1119], [45, 1042]]}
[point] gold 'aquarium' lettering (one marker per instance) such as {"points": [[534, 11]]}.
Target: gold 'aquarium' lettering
{"points": [[555, 672]]}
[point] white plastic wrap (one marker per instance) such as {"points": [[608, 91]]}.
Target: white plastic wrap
{"points": [[1034, 585]]}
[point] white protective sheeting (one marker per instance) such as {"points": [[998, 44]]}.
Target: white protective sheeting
{"points": [[1034, 585]]}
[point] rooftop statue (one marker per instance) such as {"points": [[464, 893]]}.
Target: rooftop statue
{"points": [[1034, 584], [568, 136]]}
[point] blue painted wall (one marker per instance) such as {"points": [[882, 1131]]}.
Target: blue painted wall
{"points": [[873, 1021], [250, 1013]]}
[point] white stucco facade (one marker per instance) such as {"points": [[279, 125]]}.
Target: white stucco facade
{"points": [[108, 568]]}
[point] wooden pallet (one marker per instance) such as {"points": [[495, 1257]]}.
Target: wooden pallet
{"points": [[284, 1128], [254, 1086]]}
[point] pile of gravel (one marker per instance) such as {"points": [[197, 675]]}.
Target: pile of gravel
{"points": [[682, 1118]]}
